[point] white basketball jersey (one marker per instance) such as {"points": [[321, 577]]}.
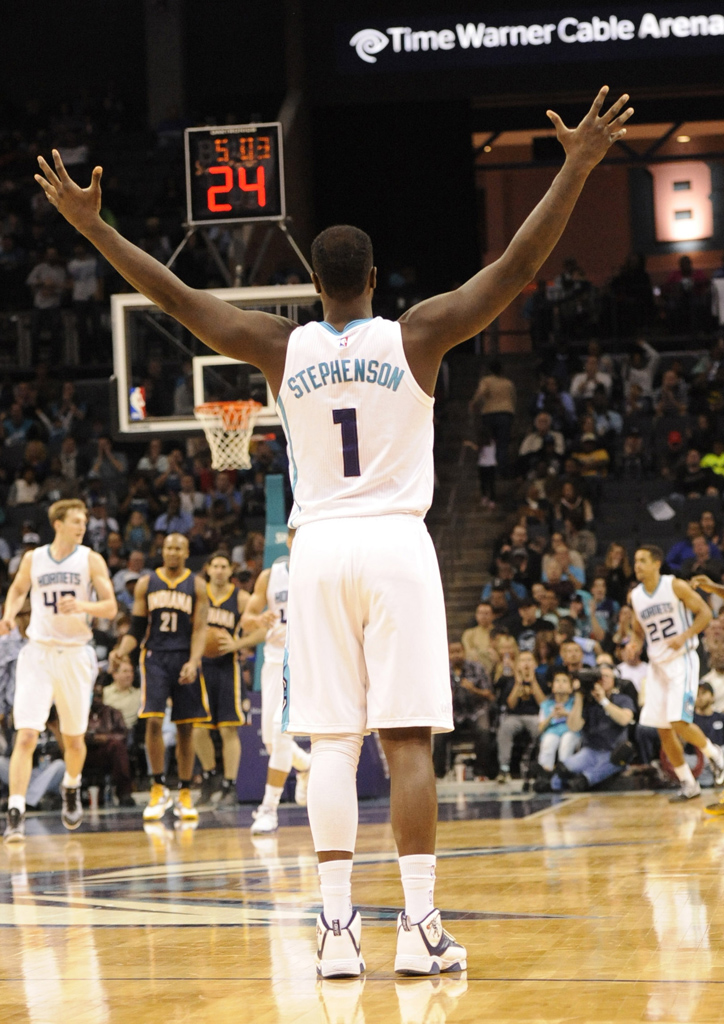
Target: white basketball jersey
{"points": [[51, 580], [277, 592], [358, 425], [662, 615]]}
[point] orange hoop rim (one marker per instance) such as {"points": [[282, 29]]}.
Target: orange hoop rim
{"points": [[236, 415]]}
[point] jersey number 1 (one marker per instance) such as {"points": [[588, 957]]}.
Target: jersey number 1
{"points": [[347, 419]]}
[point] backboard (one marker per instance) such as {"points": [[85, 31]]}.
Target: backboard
{"points": [[161, 371]]}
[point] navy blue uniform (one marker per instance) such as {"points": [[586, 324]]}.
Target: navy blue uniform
{"points": [[167, 648], [222, 675]]}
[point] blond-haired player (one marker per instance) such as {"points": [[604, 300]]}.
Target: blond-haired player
{"points": [[69, 585], [366, 642]]}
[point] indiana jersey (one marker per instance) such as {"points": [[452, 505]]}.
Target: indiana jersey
{"points": [[170, 611], [358, 425], [277, 593], [662, 615], [51, 580], [224, 611]]}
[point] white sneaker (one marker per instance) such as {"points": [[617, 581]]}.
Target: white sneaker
{"points": [[717, 764], [687, 792], [426, 999], [265, 820], [426, 948], [341, 1000], [300, 789], [159, 802], [338, 949]]}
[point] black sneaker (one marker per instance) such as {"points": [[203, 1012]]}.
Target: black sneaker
{"points": [[71, 813], [209, 785], [14, 827], [228, 798]]}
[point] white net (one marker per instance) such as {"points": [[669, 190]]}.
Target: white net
{"points": [[228, 427]]}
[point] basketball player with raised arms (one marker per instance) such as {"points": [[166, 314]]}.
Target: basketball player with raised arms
{"points": [[271, 592], [222, 676], [168, 621], [366, 642], [669, 616], [69, 585]]}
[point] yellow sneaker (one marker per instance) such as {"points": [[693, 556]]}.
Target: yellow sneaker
{"points": [[716, 809], [183, 806], [158, 804]]}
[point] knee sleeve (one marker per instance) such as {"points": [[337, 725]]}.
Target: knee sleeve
{"points": [[301, 759], [280, 758], [332, 793]]}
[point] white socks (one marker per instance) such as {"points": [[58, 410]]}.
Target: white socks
{"points": [[685, 775], [272, 796], [335, 881], [418, 882], [71, 781], [17, 802]]}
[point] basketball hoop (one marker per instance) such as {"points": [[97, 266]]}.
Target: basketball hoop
{"points": [[228, 427]]}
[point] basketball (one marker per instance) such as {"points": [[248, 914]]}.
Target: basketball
{"points": [[211, 649]]}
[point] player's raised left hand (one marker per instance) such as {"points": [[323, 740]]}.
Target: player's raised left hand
{"points": [[188, 673], [590, 141], [80, 206], [703, 582]]}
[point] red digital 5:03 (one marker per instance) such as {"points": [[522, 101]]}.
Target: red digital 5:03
{"points": [[234, 173]]}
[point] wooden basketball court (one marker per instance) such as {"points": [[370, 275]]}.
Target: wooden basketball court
{"points": [[598, 908]]}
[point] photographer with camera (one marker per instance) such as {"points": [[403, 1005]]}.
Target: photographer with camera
{"points": [[602, 715]]}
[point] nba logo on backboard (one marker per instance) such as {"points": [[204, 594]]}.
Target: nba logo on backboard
{"points": [[137, 403], [343, 342]]}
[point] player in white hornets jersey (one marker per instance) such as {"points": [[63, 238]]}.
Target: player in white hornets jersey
{"points": [[58, 666], [366, 643], [668, 616], [271, 591]]}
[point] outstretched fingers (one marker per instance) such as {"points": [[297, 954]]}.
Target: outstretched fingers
{"points": [[50, 194], [48, 171], [621, 119], [557, 122], [60, 166], [598, 102], [615, 108]]}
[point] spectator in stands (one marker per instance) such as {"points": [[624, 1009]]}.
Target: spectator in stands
{"points": [[608, 424], [692, 480], [99, 524], [137, 533], [135, 566], [140, 498], [113, 552], [85, 287], [73, 465], [523, 622], [154, 462], [107, 750], [109, 466], [534, 441], [191, 498], [570, 564], [545, 653], [122, 695], [487, 461], [640, 369], [686, 295], [476, 641], [714, 645], [47, 283], [68, 411], [472, 699], [572, 629], [671, 398], [631, 667], [25, 488], [495, 401], [714, 459], [16, 426], [702, 562], [223, 491], [710, 527], [520, 697], [174, 519], [624, 631], [504, 581], [250, 555], [548, 604], [584, 384], [572, 655], [183, 394], [556, 739], [618, 572], [603, 720], [557, 403], [605, 609], [671, 458], [202, 536], [683, 549], [170, 480], [125, 594], [592, 457], [633, 296], [572, 505]]}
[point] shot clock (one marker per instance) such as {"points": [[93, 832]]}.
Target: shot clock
{"points": [[234, 174]]}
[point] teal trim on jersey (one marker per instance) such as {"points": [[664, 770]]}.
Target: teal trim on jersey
{"points": [[285, 424], [60, 562], [654, 590], [285, 691], [348, 327]]}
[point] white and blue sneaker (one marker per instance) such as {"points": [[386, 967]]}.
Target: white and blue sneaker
{"points": [[426, 948], [717, 764], [338, 949]]}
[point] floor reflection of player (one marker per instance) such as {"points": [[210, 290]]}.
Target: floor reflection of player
{"points": [[271, 593], [367, 643], [222, 675], [169, 622]]}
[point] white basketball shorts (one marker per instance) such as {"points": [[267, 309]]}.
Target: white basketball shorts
{"points": [[271, 700], [671, 691], [366, 633], [52, 674]]}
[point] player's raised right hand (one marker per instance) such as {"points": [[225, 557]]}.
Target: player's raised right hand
{"points": [[590, 141], [80, 206]]}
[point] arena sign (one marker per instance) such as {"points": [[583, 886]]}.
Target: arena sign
{"points": [[668, 30]]}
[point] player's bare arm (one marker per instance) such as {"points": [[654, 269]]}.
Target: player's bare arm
{"points": [[198, 633], [243, 641], [697, 606], [703, 582], [17, 592], [139, 614], [250, 335], [106, 606], [438, 324], [254, 616]]}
